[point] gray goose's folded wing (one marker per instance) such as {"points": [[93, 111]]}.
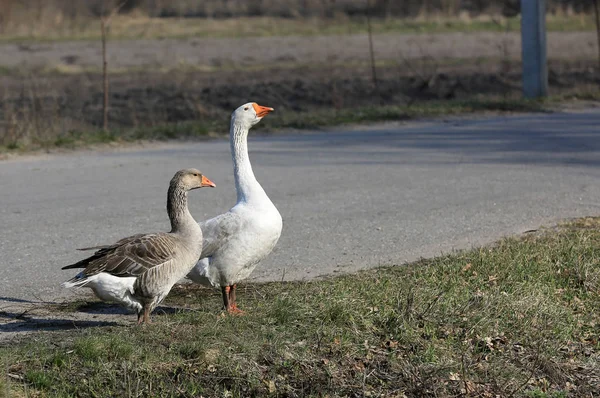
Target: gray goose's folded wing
{"points": [[130, 256], [119, 243]]}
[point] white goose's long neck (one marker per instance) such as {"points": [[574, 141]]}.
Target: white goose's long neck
{"points": [[247, 187]]}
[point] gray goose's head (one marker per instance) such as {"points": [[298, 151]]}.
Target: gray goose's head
{"points": [[188, 179]]}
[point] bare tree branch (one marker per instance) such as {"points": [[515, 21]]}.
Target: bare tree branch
{"points": [[113, 12]]}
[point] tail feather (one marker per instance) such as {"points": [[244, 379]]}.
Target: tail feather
{"points": [[79, 264], [86, 261], [75, 282], [94, 248]]}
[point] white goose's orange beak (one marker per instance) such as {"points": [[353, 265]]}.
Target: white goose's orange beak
{"points": [[261, 111], [207, 183]]}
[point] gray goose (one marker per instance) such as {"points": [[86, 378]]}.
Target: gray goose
{"points": [[140, 270]]}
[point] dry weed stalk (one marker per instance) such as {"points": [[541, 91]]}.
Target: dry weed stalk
{"points": [[371, 50], [104, 25], [504, 48], [597, 13], [424, 68]]}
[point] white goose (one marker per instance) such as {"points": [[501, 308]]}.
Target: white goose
{"points": [[139, 271], [236, 241]]}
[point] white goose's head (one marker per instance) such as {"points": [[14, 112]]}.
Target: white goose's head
{"points": [[249, 114]]}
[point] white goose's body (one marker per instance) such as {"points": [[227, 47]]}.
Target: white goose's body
{"points": [[236, 241], [139, 271]]}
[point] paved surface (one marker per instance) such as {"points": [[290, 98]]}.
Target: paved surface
{"points": [[350, 199]]}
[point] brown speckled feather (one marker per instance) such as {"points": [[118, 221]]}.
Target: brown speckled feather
{"points": [[120, 242], [130, 256]]}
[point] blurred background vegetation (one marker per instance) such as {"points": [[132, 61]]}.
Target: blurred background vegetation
{"points": [[35, 18], [178, 67], [58, 11]]}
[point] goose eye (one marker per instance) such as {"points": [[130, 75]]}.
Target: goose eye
{"points": [[246, 108]]}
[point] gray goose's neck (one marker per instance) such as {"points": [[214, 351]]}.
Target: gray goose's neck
{"points": [[179, 214], [247, 187]]}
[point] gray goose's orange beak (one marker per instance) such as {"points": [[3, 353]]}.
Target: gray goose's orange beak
{"points": [[207, 183], [261, 111]]}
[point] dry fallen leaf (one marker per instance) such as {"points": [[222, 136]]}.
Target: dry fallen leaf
{"points": [[391, 344]]}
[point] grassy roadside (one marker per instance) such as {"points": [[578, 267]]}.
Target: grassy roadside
{"points": [[131, 28], [218, 125], [516, 319]]}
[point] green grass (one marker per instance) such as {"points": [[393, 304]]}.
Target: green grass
{"points": [[125, 27], [218, 125], [332, 117], [78, 139], [518, 318]]}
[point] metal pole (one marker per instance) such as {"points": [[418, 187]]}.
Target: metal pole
{"points": [[533, 42]]}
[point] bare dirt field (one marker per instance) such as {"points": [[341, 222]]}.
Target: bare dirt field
{"points": [[271, 51]]}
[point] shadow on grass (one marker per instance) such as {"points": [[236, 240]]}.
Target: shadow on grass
{"points": [[102, 308], [17, 300], [39, 316], [20, 323]]}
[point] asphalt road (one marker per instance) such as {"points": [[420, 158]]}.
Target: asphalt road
{"points": [[350, 199]]}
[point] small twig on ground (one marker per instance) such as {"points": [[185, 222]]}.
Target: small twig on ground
{"points": [[15, 376], [408, 307], [430, 305], [534, 367]]}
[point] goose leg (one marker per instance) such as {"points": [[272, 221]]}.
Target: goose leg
{"points": [[232, 296], [144, 316], [226, 303], [234, 308], [147, 314]]}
